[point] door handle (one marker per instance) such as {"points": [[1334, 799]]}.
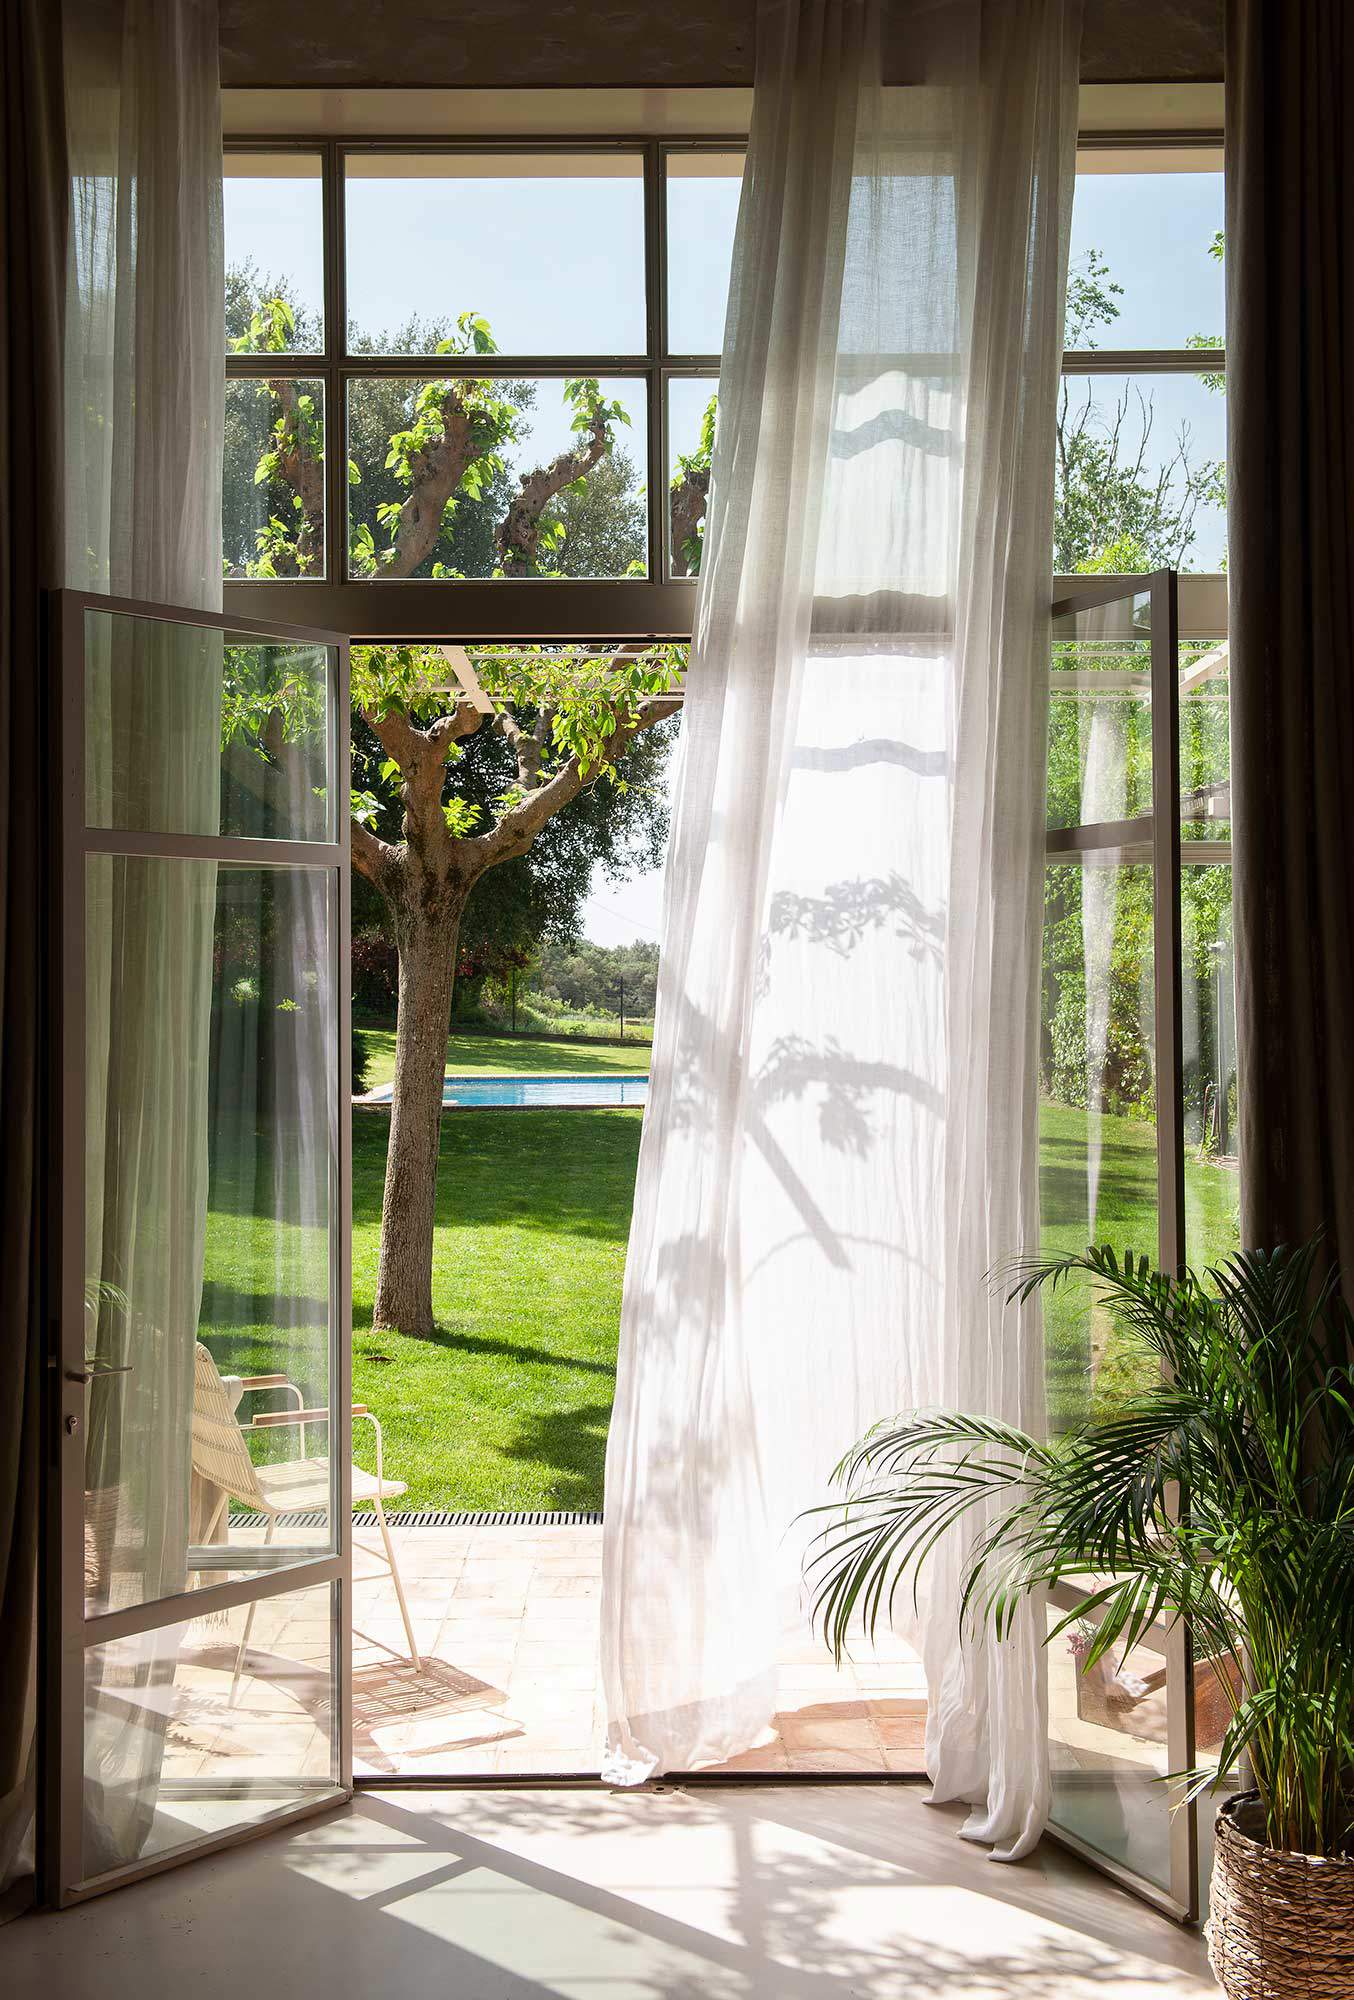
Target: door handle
{"points": [[93, 1366]]}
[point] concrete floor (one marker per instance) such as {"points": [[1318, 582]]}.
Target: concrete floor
{"points": [[791, 1892]]}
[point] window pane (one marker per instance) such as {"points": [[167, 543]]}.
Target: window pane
{"points": [[1145, 269], [1140, 474], [274, 216], [1100, 715], [211, 1093], [546, 249], [1212, 1218], [692, 407], [1205, 741], [1098, 1168], [497, 477], [186, 1737], [190, 730], [272, 478], [1098, 1121], [703, 192], [1209, 1036]]}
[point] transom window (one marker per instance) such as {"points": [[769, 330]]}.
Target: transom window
{"points": [[1143, 415], [493, 365], [518, 345]]}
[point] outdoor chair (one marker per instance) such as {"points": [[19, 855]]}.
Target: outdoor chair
{"points": [[292, 1486]]}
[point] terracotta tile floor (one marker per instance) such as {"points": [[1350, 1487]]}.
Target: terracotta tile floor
{"points": [[506, 1620]]}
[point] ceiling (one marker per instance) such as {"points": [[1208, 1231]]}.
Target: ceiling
{"points": [[606, 44]]}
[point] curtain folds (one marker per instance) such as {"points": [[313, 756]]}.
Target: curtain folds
{"points": [[1290, 408], [841, 1137], [144, 390], [32, 254]]}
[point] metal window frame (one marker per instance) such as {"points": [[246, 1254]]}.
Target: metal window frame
{"points": [[661, 606], [657, 606], [1154, 839], [66, 1633]]}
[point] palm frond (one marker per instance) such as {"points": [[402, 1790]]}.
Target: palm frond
{"points": [[1223, 1497]]}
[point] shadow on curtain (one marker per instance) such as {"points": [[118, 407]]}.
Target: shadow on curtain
{"points": [[841, 1136]]}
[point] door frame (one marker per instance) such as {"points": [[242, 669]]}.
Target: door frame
{"points": [[65, 1633], [1155, 838]]}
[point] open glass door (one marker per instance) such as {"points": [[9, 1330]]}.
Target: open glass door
{"points": [[1112, 1170], [198, 1526]]}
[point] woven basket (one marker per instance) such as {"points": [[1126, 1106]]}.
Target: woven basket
{"points": [[1280, 1926]]}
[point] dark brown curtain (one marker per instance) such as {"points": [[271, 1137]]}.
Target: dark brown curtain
{"points": [[32, 254], [1290, 376]]}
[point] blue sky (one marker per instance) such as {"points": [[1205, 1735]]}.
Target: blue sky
{"points": [[558, 266]]}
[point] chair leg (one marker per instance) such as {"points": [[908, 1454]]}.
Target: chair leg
{"points": [[248, 1627], [399, 1587]]}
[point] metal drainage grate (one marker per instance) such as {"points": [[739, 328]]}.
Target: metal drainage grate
{"points": [[430, 1518]]}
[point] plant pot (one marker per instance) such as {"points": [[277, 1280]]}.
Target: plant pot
{"points": [[1280, 1926]]}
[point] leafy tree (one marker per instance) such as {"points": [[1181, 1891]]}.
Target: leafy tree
{"points": [[600, 527], [566, 715], [537, 899], [689, 494], [586, 975], [445, 790], [1115, 516], [1114, 513]]}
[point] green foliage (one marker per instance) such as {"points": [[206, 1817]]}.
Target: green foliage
{"points": [[619, 826], [688, 490], [1252, 1420], [1091, 301], [379, 408], [285, 433], [1110, 498], [259, 521], [395, 425], [602, 523], [587, 691], [1107, 1064], [1114, 513], [485, 405], [589, 976]]}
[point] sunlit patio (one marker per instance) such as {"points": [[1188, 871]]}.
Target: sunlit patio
{"points": [[506, 1620]]}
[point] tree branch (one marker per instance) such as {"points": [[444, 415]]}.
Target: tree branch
{"points": [[528, 745], [687, 502], [373, 857], [464, 720], [304, 475], [518, 535], [396, 735], [435, 474], [518, 827]]}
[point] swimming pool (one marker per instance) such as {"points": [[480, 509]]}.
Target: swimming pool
{"points": [[574, 1093]]}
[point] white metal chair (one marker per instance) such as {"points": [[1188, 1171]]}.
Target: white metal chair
{"points": [[292, 1486]]}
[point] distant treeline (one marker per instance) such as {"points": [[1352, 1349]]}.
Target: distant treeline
{"points": [[590, 975]]}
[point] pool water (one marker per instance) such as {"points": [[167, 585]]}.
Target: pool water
{"points": [[577, 1093]]}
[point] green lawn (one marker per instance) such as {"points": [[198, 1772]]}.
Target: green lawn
{"points": [[504, 1055], [508, 1404], [1090, 1359]]}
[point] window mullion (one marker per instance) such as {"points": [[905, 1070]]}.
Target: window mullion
{"points": [[655, 340], [335, 341]]}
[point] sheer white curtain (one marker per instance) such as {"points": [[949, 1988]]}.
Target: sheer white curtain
{"points": [[841, 1139], [145, 367]]}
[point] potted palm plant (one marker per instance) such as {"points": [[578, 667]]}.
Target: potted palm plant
{"points": [[1222, 1495]]}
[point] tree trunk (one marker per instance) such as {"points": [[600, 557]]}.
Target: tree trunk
{"points": [[427, 928]]}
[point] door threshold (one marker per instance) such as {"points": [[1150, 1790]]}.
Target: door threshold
{"points": [[589, 1781]]}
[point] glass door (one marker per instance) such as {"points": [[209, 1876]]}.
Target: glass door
{"points": [[198, 1527], [1112, 1170]]}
